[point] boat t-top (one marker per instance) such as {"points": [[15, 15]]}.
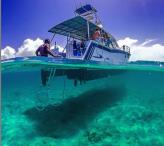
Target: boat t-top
{"points": [[87, 39]]}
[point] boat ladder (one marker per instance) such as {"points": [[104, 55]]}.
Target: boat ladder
{"points": [[42, 97]]}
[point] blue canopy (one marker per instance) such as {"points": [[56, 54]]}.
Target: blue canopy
{"points": [[75, 28]]}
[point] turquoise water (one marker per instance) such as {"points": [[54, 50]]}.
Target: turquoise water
{"points": [[84, 104]]}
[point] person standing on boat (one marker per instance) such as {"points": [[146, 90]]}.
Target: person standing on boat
{"points": [[75, 49], [82, 46], [44, 50], [108, 41], [96, 35]]}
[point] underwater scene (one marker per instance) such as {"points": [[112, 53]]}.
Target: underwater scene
{"points": [[54, 102]]}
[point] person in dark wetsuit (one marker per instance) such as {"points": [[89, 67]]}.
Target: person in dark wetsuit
{"points": [[74, 48], [82, 46], [44, 50]]}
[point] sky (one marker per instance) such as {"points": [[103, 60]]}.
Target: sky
{"points": [[28, 21]]}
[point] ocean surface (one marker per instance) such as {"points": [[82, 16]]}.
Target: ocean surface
{"points": [[54, 102]]}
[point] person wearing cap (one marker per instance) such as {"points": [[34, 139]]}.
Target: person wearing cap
{"points": [[44, 50]]}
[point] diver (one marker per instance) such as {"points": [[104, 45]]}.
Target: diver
{"points": [[44, 50]]}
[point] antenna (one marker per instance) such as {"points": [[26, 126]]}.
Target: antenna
{"points": [[80, 4], [75, 4], [90, 1], [90, 13]]}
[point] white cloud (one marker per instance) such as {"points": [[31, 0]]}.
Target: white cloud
{"points": [[144, 51], [128, 41], [7, 52], [28, 48], [147, 42], [61, 49]]}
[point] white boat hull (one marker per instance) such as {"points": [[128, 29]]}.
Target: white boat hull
{"points": [[100, 53], [112, 58]]}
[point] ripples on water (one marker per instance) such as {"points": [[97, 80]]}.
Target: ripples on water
{"points": [[82, 103]]}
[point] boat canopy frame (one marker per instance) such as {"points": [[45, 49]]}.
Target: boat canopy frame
{"points": [[85, 9], [78, 28]]}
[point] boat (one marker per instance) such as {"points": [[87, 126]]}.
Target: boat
{"points": [[104, 50], [80, 29], [86, 60], [98, 52]]}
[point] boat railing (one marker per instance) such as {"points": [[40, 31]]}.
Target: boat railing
{"points": [[126, 48]]}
